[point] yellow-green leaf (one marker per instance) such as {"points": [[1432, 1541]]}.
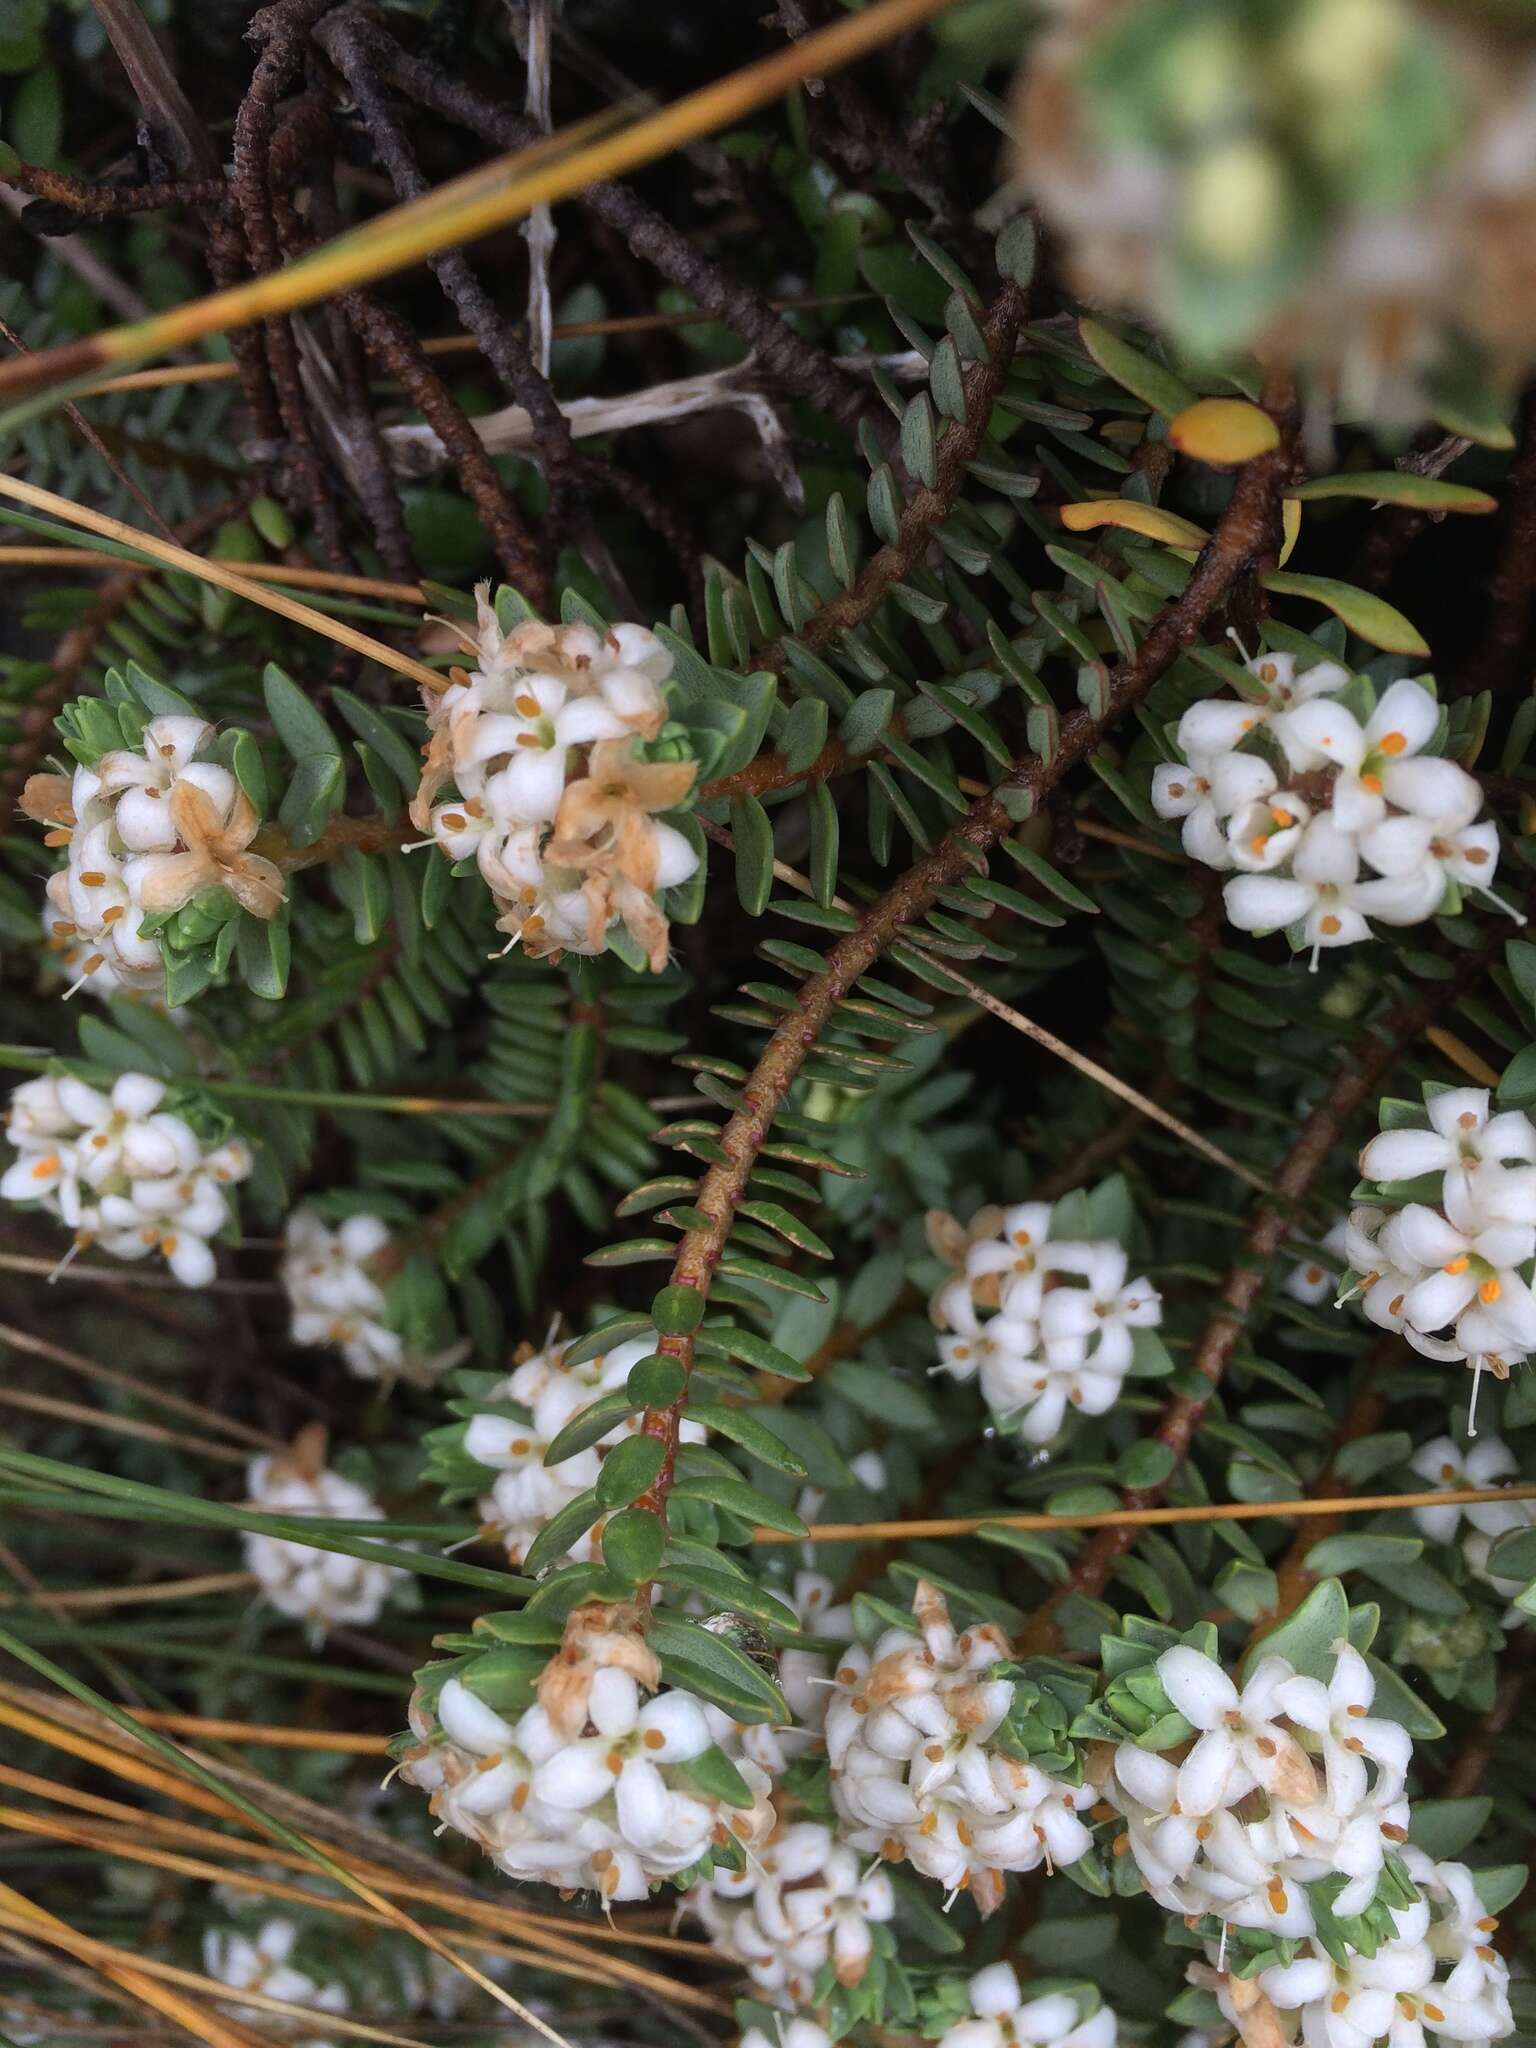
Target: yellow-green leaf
{"points": [[1398, 487], [1371, 617], [1223, 431], [1143, 378], [1150, 520]]}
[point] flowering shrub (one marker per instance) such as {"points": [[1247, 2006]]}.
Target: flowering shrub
{"points": [[783, 1288]]}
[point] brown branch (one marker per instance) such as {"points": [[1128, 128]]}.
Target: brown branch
{"points": [[1246, 534], [394, 347], [1363, 1417], [931, 504], [1380, 1046], [279, 32], [107, 202], [357, 47], [780, 350]]}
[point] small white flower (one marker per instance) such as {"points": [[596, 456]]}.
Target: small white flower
{"points": [[1005, 2019], [1239, 1744], [1462, 1136], [1324, 893], [262, 1965], [1445, 1465], [1311, 1281], [1318, 734], [1211, 790], [324, 1589]]}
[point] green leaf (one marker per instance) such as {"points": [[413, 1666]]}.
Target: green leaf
{"points": [[1307, 1637], [726, 1591], [866, 719], [316, 790], [1396, 487], [561, 1531], [751, 1350], [706, 1663], [384, 738], [744, 1428], [263, 949], [628, 1469], [1356, 1550], [774, 1216], [718, 1778], [919, 440], [1396, 1701], [1364, 613], [589, 1425], [299, 725], [634, 1544], [1137, 373], [740, 1499], [752, 830], [803, 734], [1442, 1828], [36, 119], [888, 1397], [655, 1382]]}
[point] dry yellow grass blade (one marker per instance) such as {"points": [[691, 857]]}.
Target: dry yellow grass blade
{"points": [[297, 577], [21, 1914], [564, 1936], [95, 1598], [505, 190], [119, 1425], [469, 344], [226, 578], [113, 1961], [267, 1733], [564, 1959], [1145, 1518]]}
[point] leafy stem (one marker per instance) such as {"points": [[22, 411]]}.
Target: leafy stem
{"points": [[1246, 535]]}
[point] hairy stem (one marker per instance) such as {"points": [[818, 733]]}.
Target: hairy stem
{"points": [[1245, 536], [1354, 1083]]}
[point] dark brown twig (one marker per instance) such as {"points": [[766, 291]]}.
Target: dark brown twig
{"points": [[780, 350], [393, 346], [279, 32], [107, 202]]}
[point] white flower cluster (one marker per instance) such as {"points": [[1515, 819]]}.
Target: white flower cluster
{"points": [[322, 1588], [1439, 1978], [1447, 1467], [803, 1900], [1002, 2017], [913, 1774], [555, 803], [121, 1171], [261, 1963], [1362, 824], [147, 830], [584, 1789], [1246, 1821], [334, 1297], [528, 1493], [1042, 1324], [1453, 1277]]}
